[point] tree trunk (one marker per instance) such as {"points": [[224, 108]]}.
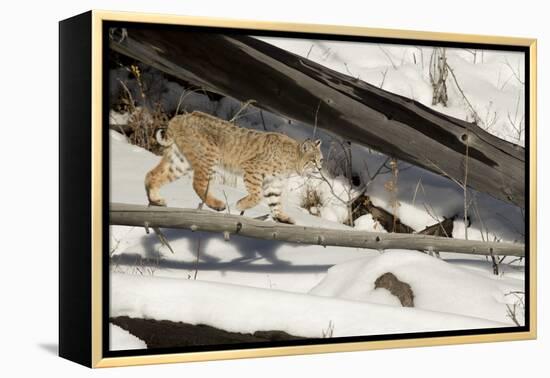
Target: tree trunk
{"points": [[226, 224]]}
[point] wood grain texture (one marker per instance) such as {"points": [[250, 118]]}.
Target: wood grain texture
{"points": [[227, 224]]}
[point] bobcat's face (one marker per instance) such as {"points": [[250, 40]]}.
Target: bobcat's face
{"points": [[311, 157]]}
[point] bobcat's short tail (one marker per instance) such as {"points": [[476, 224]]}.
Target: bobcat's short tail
{"points": [[162, 138]]}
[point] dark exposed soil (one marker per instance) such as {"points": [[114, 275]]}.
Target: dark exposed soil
{"points": [[167, 334]]}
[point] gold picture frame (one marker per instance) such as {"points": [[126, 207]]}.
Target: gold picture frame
{"points": [[90, 267]]}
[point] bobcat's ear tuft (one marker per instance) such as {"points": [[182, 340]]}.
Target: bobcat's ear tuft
{"points": [[318, 143]]}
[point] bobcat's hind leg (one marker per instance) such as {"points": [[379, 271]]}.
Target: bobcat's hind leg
{"points": [[253, 182], [273, 189], [172, 166], [201, 184]]}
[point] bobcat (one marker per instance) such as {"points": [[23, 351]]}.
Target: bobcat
{"points": [[199, 142]]}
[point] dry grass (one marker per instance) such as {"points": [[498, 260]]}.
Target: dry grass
{"points": [[312, 201], [143, 125], [143, 122]]}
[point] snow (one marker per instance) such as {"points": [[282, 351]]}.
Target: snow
{"points": [[300, 289], [244, 309], [121, 339], [437, 285], [367, 223], [245, 284]]}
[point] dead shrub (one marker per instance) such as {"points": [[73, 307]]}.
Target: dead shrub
{"points": [[312, 201]]}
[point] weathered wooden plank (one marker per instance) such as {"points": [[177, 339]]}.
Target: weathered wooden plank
{"points": [[227, 224], [247, 68]]}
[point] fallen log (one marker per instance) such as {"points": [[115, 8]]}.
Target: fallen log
{"points": [[227, 224], [169, 334], [281, 82], [363, 205], [443, 228], [123, 129]]}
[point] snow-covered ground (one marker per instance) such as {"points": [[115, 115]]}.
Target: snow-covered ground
{"points": [[246, 285], [123, 340]]}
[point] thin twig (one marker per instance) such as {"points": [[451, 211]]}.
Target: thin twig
{"points": [[263, 120], [444, 173], [162, 238], [226, 202], [477, 118], [198, 257], [516, 74], [428, 207], [465, 184], [129, 94], [383, 78], [478, 215], [378, 171], [421, 56], [316, 114], [244, 106], [309, 51], [388, 56], [351, 73]]}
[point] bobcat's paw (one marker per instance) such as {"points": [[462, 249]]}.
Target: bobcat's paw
{"points": [[216, 205], [284, 219], [160, 202]]}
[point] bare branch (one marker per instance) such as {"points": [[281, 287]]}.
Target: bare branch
{"points": [[383, 78], [309, 51], [388, 56], [162, 238], [514, 72], [243, 107], [477, 118]]}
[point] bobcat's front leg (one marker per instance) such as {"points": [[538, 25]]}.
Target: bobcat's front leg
{"points": [[253, 183], [273, 189]]}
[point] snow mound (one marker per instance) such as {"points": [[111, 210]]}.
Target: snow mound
{"points": [[121, 339], [436, 284], [244, 309], [367, 223]]}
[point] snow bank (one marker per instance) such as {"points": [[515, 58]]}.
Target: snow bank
{"points": [[120, 339], [436, 284], [367, 223], [244, 309]]}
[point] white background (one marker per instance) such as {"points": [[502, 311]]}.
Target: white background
{"points": [[29, 186]]}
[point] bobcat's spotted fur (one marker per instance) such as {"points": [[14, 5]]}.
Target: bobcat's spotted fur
{"points": [[200, 142]]}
